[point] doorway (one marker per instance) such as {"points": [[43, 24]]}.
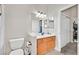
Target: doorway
{"points": [[69, 30]]}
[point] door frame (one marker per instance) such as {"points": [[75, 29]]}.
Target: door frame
{"points": [[60, 11]]}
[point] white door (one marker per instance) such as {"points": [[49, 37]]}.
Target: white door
{"points": [[65, 30]]}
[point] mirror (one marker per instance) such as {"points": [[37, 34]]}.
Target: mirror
{"points": [[49, 24], [42, 25]]}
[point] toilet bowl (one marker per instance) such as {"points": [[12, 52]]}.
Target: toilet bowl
{"points": [[16, 45], [17, 52]]}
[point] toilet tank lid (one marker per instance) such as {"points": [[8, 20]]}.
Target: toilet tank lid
{"points": [[16, 39]]}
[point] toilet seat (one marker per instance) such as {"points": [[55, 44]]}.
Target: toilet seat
{"points": [[17, 52]]}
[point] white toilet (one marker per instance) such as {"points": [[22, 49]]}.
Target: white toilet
{"points": [[16, 46]]}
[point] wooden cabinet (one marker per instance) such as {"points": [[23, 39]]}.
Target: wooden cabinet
{"points": [[50, 43], [45, 44], [41, 48]]}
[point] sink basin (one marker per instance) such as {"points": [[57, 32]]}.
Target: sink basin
{"points": [[45, 35]]}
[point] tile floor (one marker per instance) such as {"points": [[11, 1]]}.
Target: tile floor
{"points": [[54, 52], [70, 49]]}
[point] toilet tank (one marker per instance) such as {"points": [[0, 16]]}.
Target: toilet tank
{"points": [[16, 43]]}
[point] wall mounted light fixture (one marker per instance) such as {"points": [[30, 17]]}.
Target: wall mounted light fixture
{"points": [[40, 14]]}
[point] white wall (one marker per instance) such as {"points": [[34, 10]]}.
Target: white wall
{"points": [[0, 8], [1, 36], [2, 30], [18, 22], [78, 24]]}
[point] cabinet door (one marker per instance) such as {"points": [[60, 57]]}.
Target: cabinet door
{"points": [[41, 46], [45, 44], [53, 41], [50, 43]]}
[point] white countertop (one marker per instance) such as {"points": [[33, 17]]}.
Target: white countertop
{"points": [[37, 36], [46, 35]]}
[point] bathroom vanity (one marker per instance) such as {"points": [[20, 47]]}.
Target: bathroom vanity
{"points": [[41, 44], [45, 44]]}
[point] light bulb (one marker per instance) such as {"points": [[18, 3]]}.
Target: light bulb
{"points": [[45, 26], [52, 18], [38, 14], [44, 15]]}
